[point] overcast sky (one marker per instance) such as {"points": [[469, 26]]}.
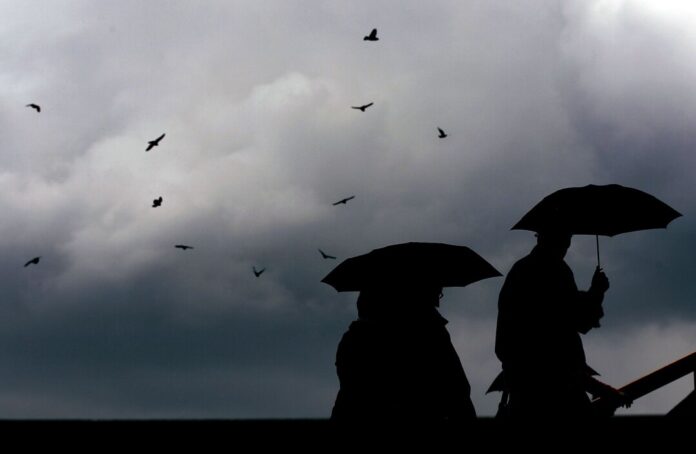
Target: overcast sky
{"points": [[254, 98]]}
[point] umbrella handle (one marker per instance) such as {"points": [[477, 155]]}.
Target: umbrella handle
{"points": [[597, 239]]}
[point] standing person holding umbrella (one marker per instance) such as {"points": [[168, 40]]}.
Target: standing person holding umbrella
{"points": [[541, 312], [396, 362]]}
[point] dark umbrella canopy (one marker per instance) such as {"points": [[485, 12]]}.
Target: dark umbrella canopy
{"points": [[437, 264], [598, 210]]}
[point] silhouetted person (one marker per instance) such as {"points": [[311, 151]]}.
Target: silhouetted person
{"points": [[153, 143], [541, 314], [396, 362]]}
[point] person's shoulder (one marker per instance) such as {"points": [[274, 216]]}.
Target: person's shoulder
{"points": [[523, 264]]}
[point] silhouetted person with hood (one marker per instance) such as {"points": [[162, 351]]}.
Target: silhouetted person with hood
{"points": [[396, 362], [541, 314]]}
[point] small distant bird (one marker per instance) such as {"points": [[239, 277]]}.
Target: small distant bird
{"points": [[344, 201], [34, 106], [154, 143], [362, 108], [183, 247], [34, 261], [325, 255], [157, 202], [442, 133], [258, 273], [372, 36]]}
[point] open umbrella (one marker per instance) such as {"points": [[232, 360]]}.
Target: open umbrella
{"points": [[598, 210], [439, 264]]}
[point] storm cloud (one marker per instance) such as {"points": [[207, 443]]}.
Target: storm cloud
{"points": [[254, 98]]}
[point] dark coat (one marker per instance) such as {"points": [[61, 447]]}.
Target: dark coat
{"points": [[541, 314], [400, 370]]}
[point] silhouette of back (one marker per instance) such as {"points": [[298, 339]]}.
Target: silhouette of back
{"points": [[541, 314], [397, 362]]}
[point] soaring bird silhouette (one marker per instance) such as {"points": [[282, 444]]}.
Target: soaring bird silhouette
{"points": [[362, 108], [157, 202], [154, 143], [343, 201], [34, 261], [325, 255], [183, 247], [442, 133], [34, 106], [258, 273], [372, 36]]}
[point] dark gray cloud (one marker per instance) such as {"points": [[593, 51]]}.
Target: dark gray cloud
{"points": [[255, 101]]}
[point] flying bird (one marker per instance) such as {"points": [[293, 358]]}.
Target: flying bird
{"points": [[362, 108], [372, 36], [157, 202], [258, 273], [442, 133], [183, 247], [325, 255], [34, 106], [154, 143], [344, 201], [34, 261]]}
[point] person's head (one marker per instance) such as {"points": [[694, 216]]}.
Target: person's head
{"points": [[397, 301], [554, 242]]}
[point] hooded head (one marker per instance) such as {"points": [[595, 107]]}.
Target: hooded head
{"points": [[409, 300], [554, 243]]}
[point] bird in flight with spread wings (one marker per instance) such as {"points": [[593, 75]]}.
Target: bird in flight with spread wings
{"points": [[153, 143], [372, 36], [362, 108], [183, 247], [34, 261], [157, 202], [343, 201], [35, 107], [442, 133], [258, 273], [325, 255]]}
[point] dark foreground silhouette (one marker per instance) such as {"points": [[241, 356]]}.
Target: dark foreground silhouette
{"points": [[322, 435], [396, 362], [541, 314]]}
